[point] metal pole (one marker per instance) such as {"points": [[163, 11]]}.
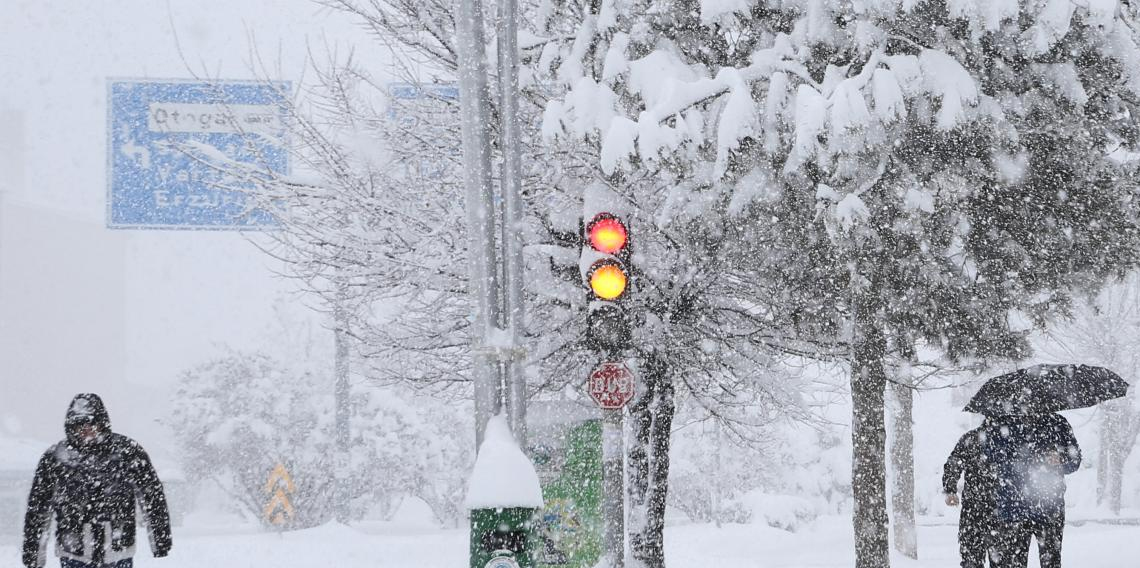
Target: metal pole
{"points": [[511, 186], [613, 472], [483, 284]]}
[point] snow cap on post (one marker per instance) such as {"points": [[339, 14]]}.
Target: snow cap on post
{"points": [[503, 476]]}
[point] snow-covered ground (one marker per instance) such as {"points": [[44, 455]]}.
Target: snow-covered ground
{"points": [[825, 544], [209, 538]]}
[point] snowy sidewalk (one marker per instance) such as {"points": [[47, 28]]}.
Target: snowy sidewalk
{"points": [[830, 544], [826, 544]]}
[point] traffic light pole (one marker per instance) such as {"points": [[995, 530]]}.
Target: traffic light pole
{"points": [[613, 486], [611, 383], [498, 302], [511, 186], [496, 265], [483, 282]]}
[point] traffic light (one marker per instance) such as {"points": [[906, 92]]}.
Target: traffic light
{"points": [[608, 280], [607, 234]]}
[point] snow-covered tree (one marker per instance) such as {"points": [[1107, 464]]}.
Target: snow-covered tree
{"points": [[372, 221], [235, 418], [832, 178], [366, 239], [781, 472], [895, 172], [1103, 331], [404, 445]]}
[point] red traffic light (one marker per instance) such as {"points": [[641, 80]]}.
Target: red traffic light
{"points": [[607, 234]]}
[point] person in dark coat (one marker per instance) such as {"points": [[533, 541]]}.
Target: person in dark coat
{"points": [[976, 523], [1031, 455], [90, 482]]}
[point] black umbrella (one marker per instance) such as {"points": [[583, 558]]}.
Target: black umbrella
{"points": [[1047, 388]]}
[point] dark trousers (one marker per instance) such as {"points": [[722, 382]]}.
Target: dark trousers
{"points": [[69, 563], [1013, 542], [974, 538]]}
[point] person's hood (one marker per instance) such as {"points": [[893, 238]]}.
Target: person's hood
{"points": [[87, 407]]}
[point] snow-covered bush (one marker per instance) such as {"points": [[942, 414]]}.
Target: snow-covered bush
{"points": [[408, 445], [771, 478], [235, 418], [718, 465], [787, 512], [708, 470]]}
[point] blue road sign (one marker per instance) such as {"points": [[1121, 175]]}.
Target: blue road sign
{"points": [[166, 140]]}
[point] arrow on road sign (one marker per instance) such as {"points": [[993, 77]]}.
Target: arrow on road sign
{"points": [[280, 485], [279, 475], [279, 508]]}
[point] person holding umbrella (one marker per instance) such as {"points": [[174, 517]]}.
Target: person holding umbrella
{"points": [[1031, 449], [1031, 456]]}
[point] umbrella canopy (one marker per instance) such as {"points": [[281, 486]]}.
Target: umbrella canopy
{"points": [[1047, 388]]}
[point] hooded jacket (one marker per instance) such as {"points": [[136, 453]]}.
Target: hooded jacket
{"points": [[91, 489]]}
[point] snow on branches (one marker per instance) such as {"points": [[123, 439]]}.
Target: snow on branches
{"points": [[655, 99]]}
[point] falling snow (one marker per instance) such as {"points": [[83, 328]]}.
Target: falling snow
{"points": [[848, 221]]}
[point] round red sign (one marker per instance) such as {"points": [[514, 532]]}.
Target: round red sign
{"points": [[611, 385]]}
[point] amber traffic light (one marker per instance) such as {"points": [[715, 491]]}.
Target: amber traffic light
{"points": [[608, 279]]}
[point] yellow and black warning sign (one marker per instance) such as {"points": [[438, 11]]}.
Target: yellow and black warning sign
{"points": [[278, 510]]}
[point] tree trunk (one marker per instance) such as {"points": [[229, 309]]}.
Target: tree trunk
{"points": [[1103, 463], [342, 392], [1115, 485], [660, 435], [1129, 434], [1119, 428], [637, 466], [902, 465], [649, 466], [718, 474], [868, 436]]}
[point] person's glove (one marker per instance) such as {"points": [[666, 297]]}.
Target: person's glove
{"points": [[160, 544], [30, 558], [952, 499]]}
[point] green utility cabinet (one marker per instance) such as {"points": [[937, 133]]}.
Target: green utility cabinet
{"points": [[569, 527]]}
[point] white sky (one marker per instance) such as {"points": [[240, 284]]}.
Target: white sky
{"points": [[123, 312]]}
